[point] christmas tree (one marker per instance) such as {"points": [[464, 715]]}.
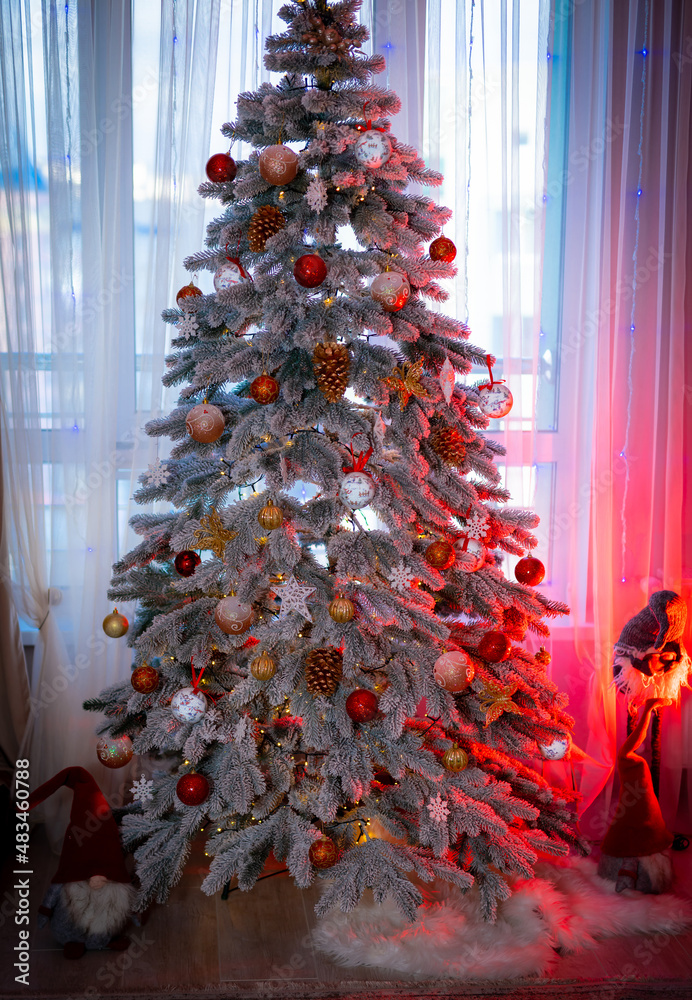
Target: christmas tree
{"points": [[331, 470]]}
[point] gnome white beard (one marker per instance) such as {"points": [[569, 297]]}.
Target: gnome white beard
{"points": [[638, 687], [99, 911]]}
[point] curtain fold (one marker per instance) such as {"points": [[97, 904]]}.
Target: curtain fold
{"points": [[625, 353]]}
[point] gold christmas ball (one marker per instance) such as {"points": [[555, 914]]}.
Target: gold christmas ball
{"points": [[115, 625], [205, 423], [542, 656], [270, 517], [455, 759], [263, 667], [342, 610]]}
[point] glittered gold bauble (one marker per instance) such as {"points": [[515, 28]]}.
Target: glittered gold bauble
{"points": [[391, 290], [278, 164], [443, 249], [448, 444], [455, 759], [263, 667], [144, 679], [115, 625], [190, 291], [323, 853], [332, 365], [439, 554], [542, 656], [264, 389], [323, 670], [266, 222], [342, 610], [233, 617], [205, 423], [114, 751], [270, 517], [453, 671]]}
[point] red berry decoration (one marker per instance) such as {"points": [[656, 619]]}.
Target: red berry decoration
{"points": [[221, 168], [440, 554], [144, 679], [443, 249], [494, 647], [310, 270], [264, 389], [362, 705], [530, 571], [192, 789], [190, 291], [323, 853], [186, 562]]}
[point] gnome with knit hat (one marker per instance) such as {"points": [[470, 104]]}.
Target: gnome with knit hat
{"points": [[650, 658], [90, 897]]}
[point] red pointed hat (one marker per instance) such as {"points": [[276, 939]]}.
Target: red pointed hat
{"points": [[638, 828], [92, 843]]}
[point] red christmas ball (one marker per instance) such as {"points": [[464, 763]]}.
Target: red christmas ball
{"points": [[144, 679], [310, 270], [530, 571], [186, 562], [323, 853], [494, 647], [443, 249], [192, 789], [439, 554], [190, 291], [264, 389], [221, 168], [362, 705]]}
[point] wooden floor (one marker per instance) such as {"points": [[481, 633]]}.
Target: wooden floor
{"points": [[258, 945]]}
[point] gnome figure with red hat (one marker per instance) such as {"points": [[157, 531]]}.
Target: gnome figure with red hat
{"points": [[91, 897], [634, 853]]}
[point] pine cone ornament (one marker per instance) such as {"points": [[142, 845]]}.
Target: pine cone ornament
{"points": [[448, 444], [266, 222], [323, 670], [332, 364]]}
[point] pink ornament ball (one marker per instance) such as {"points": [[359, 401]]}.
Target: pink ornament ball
{"points": [[453, 671], [233, 616], [391, 290], [205, 423], [278, 164]]}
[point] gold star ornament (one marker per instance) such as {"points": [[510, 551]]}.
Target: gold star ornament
{"points": [[405, 379], [212, 535], [494, 700]]}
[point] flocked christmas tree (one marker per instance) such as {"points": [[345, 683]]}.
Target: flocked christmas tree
{"points": [[279, 676]]}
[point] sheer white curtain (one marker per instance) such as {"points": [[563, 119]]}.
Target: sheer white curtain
{"points": [[73, 403], [625, 353], [485, 129]]}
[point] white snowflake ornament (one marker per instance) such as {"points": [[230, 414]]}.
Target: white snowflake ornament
{"points": [[316, 195], [188, 326], [476, 526], [401, 578], [294, 597], [157, 474], [142, 790], [438, 809]]}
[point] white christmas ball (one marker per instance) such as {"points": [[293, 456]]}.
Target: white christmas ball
{"points": [[188, 705], [357, 490], [471, 558], [555, 750], [373, 149], [495, 400], [229, 274]]}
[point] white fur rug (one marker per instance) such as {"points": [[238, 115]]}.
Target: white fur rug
{"points": [[566, 908]]}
